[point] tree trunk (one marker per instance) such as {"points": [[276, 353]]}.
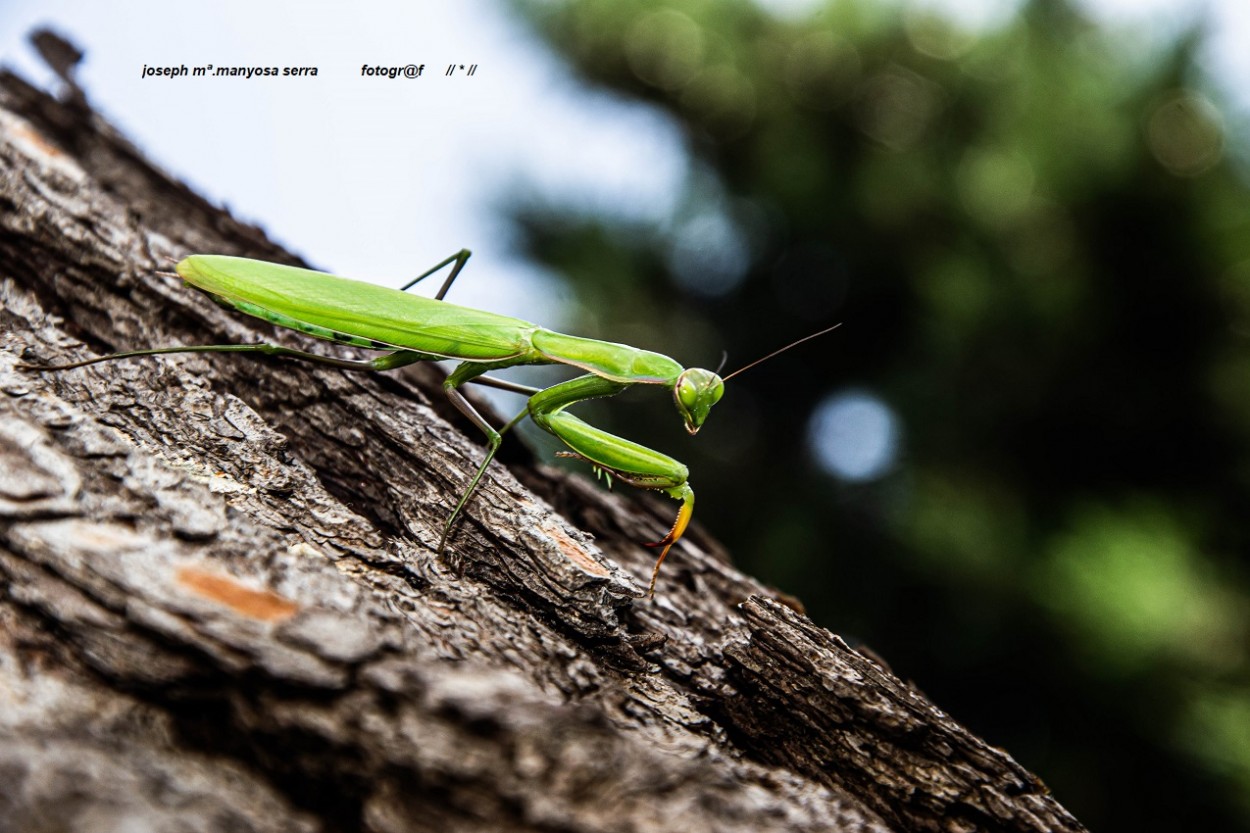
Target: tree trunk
{"points": [[223, 610]]}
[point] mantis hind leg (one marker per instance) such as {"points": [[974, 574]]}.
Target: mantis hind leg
{"points": [[389, 361], [461, 375], [460, 258]]}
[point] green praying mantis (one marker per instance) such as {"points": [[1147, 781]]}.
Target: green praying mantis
{"points": [[413, 328]]}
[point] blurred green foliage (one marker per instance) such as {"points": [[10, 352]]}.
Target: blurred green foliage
{"points": [[1038, 238]]}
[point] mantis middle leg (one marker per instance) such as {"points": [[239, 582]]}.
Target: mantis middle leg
{"points": [[470, 372]]}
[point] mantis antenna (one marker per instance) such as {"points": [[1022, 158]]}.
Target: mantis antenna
{"points": [[781, 350]]}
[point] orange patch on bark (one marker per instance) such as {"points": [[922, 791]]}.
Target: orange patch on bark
{"points": [[574, 552], [265, 605], [43, 145]]}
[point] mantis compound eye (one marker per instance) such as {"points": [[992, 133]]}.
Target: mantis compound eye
{"points": [[696, 391]]}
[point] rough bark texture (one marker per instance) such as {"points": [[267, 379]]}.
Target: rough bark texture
{"points": [[221, 608]]}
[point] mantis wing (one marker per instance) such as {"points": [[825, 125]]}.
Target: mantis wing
{"points": [[291, 296]]}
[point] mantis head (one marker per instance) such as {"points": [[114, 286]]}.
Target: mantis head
{"points": [[695, 392]]}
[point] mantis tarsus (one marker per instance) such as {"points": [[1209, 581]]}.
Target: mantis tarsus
{"points": [[416, 329]]}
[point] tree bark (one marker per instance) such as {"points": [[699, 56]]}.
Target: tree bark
{"points": [[223, 610]]}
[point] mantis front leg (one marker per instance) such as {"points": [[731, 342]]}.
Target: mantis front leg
{"points": [[624, 459]]}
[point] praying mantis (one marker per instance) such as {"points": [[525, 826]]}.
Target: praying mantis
{"points": [[412, 328]]}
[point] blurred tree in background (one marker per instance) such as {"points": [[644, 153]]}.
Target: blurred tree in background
{"points": [[1021, 469]]}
